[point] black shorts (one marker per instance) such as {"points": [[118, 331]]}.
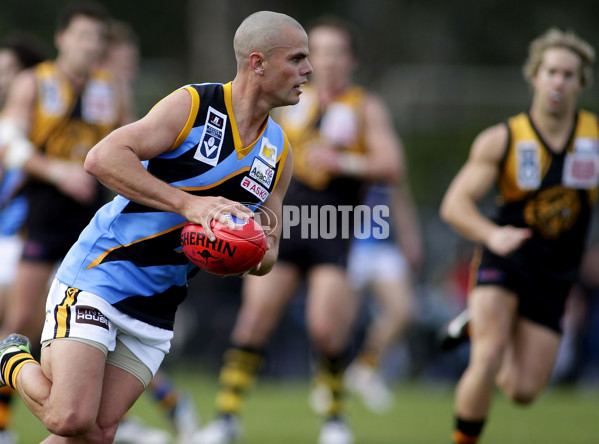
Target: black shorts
{"points": [[331, 241], [54, 222], [541, 297], [306, 253]]}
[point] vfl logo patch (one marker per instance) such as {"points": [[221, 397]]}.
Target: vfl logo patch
{"points": [[262, 172], [528, 165], [268, 152], [212, 138], [255, 188], [90, 315], [50, 99]]}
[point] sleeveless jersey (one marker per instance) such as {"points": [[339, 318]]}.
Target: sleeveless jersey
{"points": [[340, 124], [552, 193], [130, 254], [68, 123]]}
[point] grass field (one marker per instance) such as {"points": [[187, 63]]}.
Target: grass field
{"points": [[278, 413]]}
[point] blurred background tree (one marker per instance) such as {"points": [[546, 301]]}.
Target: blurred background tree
{"points": [[447, 69]]}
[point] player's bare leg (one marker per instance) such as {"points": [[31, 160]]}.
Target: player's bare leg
{"points": [[528, 363], [331, 310], [61, 393], [494, 312], [265, 298], [26, 305], [395, 301]]}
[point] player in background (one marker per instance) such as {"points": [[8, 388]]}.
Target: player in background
{"points": [[112, 305], [54, 115], [16, 54], [342, 138], [544, 162], [383, 267]]}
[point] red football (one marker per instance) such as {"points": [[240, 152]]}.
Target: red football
{"points": [[234, 251]]}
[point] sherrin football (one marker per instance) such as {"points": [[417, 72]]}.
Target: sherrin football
{"points": [[234, 251]]}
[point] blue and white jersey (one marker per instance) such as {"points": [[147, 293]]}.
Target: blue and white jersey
{"points": [[130, 254]]}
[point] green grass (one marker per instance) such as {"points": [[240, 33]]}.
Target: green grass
{"points": [[278, 413]]}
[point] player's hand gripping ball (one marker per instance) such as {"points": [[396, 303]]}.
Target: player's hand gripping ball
{"points": [[234, 251]]}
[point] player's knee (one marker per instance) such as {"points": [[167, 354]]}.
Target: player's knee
{"points": [[327, 339], [521, 393], [489, 358], [63, 422]]}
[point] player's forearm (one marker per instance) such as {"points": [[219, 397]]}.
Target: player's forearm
{"points": [[464, 216], [270, 257], [361, 166], [119, 169]]}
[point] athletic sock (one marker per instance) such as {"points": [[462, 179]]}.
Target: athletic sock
{"points": [[11, 364], [6, 396], [164, 392], [369, 358], [330, 374], [467, 432], [241, 364]]}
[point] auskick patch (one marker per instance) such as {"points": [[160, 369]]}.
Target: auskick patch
{"points": [[262, 172], [212, 138], [255, 188]]}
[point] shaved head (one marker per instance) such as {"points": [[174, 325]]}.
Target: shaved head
{"points": [[260, 32]]}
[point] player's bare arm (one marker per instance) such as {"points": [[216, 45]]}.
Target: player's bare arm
{"points": [[115, 161], [459, 207], [383, 156], [380, 162], [273, 208], [68, 177]]}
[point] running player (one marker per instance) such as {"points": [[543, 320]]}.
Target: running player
{"points": [[112, 305], [342, 137], [545, 162]]}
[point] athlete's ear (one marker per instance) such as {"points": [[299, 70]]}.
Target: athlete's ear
{"points": [[257, 63]]}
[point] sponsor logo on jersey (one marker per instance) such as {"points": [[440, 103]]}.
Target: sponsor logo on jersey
{"points": [[586, 145], [98, 103], [263, 173], [581, 170], [212, 138], [255, 188], [268, 152], [89, 315], [528, 165]]}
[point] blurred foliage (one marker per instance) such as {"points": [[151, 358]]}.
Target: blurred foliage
{"points": [[185, 40]]}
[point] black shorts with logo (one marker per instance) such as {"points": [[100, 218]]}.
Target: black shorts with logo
{"points": [[541, 297]]}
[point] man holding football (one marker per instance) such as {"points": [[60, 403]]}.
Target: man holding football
{"points": [[110, 311]]}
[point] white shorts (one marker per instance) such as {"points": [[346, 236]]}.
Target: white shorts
{"points": [[375, 261], [76, 314], [10, 253]]}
